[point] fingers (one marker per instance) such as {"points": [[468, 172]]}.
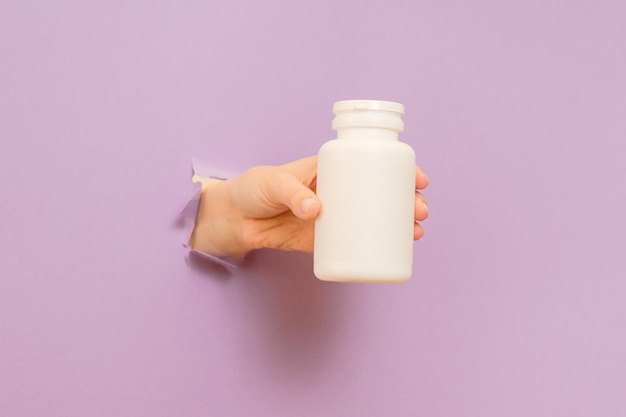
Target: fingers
{"points": [[421, 213], [308, 208], [288, 190], [302, 202], [304, 169], [421, 207], [418, 231], [421, 179]]}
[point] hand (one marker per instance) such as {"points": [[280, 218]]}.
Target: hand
{"points": [[269, 207]]}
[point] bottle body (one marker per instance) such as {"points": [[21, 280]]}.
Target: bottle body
{"points": [[364, 232]]}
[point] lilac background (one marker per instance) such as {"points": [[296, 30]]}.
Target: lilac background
{"points": [[516, 110]]}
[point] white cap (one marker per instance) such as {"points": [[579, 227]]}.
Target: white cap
{"points": [[390, 106], [368, 113]]}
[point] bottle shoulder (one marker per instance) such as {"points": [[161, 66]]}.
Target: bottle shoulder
{"points": [[366, 145]]}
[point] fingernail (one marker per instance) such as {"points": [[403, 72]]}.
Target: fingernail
{"points": [[426, 207], [306, 204]]}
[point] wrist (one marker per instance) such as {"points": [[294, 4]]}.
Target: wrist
{"points": [[218, 228]]}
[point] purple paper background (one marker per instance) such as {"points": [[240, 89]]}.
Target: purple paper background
{"points": [[516, 110]]}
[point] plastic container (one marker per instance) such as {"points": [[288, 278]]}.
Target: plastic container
{"points": [[366, 183]]}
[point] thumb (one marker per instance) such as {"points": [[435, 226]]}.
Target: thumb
{"points": [[301, 200]]}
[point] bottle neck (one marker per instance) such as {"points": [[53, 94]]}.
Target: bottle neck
{"points": [[368, 119], [367, 133]]}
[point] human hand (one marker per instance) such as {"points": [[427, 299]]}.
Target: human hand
{"points": [[270, 207]]}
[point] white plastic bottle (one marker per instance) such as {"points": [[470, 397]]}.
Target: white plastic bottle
{"points": [[366, 183]]}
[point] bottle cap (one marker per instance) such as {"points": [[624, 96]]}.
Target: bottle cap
{"points": [[368, 113], [390, 106]]}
